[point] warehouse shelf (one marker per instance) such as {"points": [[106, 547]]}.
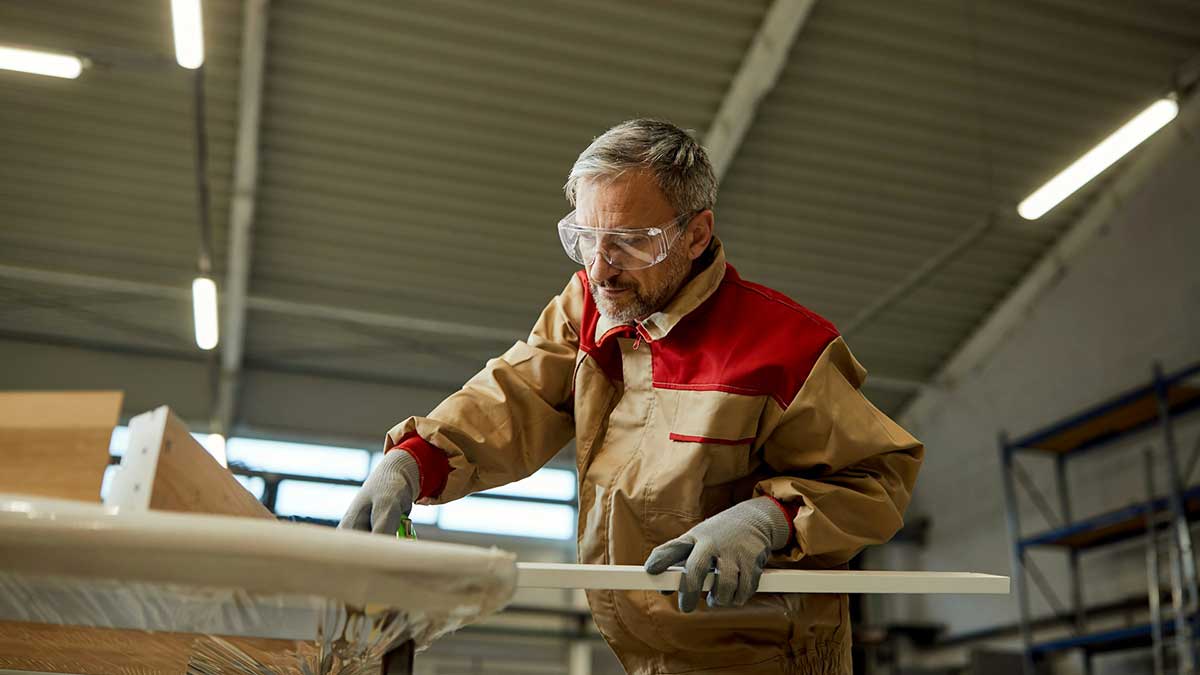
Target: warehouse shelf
{"points": [[1157, 517], [1112, 527], [1137, 636], [1130, 412]]}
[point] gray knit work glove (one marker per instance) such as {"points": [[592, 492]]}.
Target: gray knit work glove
{"points": [[386, 495], [736, 541]]}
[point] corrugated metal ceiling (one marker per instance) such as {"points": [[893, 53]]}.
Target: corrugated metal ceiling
{"points": [[412, 157], [99, 174], [896, 127], [413, 154]]}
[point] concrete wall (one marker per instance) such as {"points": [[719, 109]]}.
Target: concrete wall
{"points": [[1132, 297]]}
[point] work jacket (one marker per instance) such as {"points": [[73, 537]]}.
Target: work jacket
{"points": [[732, 391]]}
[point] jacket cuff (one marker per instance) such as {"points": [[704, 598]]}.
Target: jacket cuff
{"points": [[432, 462], [789, 511]]}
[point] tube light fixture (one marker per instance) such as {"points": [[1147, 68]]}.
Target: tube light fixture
{"points": [[40, 63], [189, 33], [1099, 158], [204, 312]]}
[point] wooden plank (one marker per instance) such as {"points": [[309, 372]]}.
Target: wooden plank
{"points": [[49, 648], [165, 469], [633, 577], [55, 444]]}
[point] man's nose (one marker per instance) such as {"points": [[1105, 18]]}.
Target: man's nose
{"points": [[600, 271]]}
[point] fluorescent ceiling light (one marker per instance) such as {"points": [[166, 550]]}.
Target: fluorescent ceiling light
{"points": [[189, 33], [204, 312], [40, 63], [1099, 158]]}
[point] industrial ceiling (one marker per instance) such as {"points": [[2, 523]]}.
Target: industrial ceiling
{"points": [[410, 157]]}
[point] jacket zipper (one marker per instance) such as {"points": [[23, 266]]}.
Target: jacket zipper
{"points": [[641, 333]]}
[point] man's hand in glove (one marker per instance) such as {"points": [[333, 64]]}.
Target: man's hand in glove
{"points": [[386, 496], [736, 542]]}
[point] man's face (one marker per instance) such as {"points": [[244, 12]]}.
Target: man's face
{"points": [[635, 201]]}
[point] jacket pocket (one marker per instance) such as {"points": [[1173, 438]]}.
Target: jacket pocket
{"points": [[715, 431], [722, 459]]}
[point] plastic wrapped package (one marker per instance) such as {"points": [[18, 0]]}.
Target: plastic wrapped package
{"points": [[80, 584]]}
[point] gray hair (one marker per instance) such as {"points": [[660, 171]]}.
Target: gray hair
{"points": [[676, 160]]}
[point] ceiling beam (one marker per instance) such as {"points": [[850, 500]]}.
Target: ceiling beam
{"points": [[764, 60], [306, 310], [400, 322], [241, 209], [918, 276]]}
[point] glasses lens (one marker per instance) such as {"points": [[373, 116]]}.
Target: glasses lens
{"points": [[623, 250], [586, 244], [633, 251]]}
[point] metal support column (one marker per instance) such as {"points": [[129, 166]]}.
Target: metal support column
{"points": [[1064, 501], [1183, 535], [1152, 580], [1012, 518]]}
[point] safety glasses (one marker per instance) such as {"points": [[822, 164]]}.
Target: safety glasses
{"points": [[624, 249]]}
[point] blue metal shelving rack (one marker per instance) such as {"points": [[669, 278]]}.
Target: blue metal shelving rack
{"points": [[1134, 411]]}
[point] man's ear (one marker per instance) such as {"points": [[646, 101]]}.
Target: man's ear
{"points": [[699, 233]]}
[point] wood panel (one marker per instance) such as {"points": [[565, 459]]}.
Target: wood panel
{"points": [[49, 648], [167, 470], [55, 444], [190, 479]]}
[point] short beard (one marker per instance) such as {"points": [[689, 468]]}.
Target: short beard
{"points": [[645, 302]]}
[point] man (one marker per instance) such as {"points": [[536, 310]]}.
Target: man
{"points": [[719, 426]]}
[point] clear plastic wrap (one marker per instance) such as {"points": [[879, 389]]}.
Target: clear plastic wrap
{"points": [[81, 583]]}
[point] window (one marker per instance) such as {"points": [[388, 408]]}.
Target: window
{"points": [[499, 511], [328, 502], [510, 517], [545, 484], [254, 484], [313, 500], [557, 484], [298, 458]]}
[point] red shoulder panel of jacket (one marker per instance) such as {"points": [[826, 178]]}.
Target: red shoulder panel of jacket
{"points": [[745, 339]]}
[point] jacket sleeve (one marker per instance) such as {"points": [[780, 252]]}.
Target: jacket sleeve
{"points": [[844, 469], [506, 421]]}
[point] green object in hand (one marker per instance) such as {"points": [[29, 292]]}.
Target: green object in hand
{"points": [[406, 531]]}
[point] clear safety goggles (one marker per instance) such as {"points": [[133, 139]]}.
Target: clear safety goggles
{"points": [[624, 249]]}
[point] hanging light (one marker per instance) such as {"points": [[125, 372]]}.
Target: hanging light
{"points": [[1099, 158], [187, 20], [40, 63], [204, 312]]}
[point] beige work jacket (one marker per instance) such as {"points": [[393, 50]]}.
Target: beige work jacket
{"points": [[731, 392]]}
